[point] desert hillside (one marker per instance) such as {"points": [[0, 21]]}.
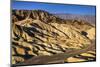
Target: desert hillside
{"points": [[39, 33], [87, 18]]}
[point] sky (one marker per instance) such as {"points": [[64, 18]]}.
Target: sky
{"points": [[55, 8]]}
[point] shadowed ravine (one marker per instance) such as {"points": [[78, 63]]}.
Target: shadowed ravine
{"points": [[58, 58]]}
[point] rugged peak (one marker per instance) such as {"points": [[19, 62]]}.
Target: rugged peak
{"points": [[42, 15], [41, 11]]}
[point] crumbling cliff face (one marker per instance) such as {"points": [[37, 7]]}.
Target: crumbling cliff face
{"points": [[39, 33]]}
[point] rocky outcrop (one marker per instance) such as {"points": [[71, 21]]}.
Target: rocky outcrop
{"points": [[38, 33]]}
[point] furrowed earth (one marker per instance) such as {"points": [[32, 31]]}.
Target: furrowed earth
{"points": [[39, 33]]}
